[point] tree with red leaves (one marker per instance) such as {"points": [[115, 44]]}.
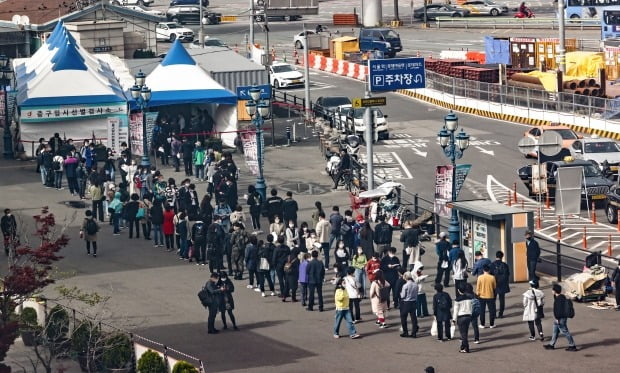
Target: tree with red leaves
{"points": [[28, 272]]}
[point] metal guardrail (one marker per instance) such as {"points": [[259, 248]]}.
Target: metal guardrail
{"points": [[509, 22]]}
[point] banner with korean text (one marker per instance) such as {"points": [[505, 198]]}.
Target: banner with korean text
{"points": [[135, 130], [248, 139], [117, 133], [32, 114], [443, 186]]}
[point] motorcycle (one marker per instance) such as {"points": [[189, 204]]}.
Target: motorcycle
{"points": [[525, 14], [352, 145], [333, 161]]}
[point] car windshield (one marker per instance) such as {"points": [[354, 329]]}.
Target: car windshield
{"points": [[591, 170], [214, 43], [336, 101], [567, 134], [282, 68], [172, 25], [601, 147], [359, 113], [389, 34]]}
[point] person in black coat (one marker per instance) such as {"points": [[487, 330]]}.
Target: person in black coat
{"points": [[280, 256], [9, 229], [227, 302], [390, 265], [533, 254], [131, 210], [255, 200], [251, 260], [265, 251], [501, 271], [383, 235], [291, 276], [442, 304], [410, 239], [289, 208], [615, 279], [187, 149], [273, 206], [442, 249], [561, 316], [316, 275], [215, 292]]}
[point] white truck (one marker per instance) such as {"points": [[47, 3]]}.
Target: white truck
{"points": [[133, 2], [284, 10]]}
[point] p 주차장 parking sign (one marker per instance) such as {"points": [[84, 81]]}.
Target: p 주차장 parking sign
{"points": [[396, 73]]}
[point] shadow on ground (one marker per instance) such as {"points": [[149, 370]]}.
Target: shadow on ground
{"points": [[229, 350]]}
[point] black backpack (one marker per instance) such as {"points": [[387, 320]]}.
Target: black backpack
{"points": [[91, 227], [384, 293], [205, 297], [443, 302], [383, 233], [199, 230], [570, 310], [499, 271], [56, 166]]}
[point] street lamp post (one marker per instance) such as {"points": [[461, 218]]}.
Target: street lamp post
{"points": [[142, 94], [453, 147], [258, 109], [5, 81]]}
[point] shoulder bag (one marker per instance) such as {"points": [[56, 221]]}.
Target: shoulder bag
{"points": [[539, 309]]}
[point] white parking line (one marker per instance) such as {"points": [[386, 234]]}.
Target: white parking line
{"points": [[402, 164]]}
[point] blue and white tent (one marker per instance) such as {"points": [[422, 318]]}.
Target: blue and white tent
{"points": [[179, 80]]}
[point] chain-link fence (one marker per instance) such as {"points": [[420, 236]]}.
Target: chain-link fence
{"points": [[566, 108]]}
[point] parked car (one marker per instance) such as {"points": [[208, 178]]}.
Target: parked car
{"points": [[133, 2], [170, 31], [259, 16], [153, 12], [380, 39], [191, 14], [355, 123], [597, 150], [484, 8], [596, 185], [440, 10], [298, 39], [325, 106], [209, 42], [612, 204], [189, 2], [567, 134], [282, 75]]}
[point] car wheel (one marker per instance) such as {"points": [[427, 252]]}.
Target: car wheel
{"points": [[173, 37], [288, 18], [276, 84], [116, 2], [457, 15], [494, 12], [141, 3], [258, 18], [298, 45], [612, 215], [176, 20]]}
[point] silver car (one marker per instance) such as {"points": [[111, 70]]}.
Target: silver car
{"points": [[484, 8]]}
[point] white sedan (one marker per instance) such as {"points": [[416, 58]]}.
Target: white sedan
{"points": [[484, 7], [282, 75], [298, 39]]}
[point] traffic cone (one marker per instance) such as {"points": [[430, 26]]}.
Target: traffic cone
{"points": [[284, 56], [273, 53], [296, 57], [417, 54]]}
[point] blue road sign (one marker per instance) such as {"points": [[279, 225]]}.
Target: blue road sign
{"points": [[396, 73], [243, 92]]}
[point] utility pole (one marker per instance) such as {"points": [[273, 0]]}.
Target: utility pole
{"points": [[201, 32], [562, 49], [307, 107], [249, 47], [368, 139]]}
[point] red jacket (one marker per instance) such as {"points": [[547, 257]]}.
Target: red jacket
{"points": [[371, 267], [168, 226]]}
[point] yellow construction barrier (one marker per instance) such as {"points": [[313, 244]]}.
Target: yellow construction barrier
{"points": [[229, 18]]}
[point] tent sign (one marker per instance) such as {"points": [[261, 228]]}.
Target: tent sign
{"points": [[243, 92]]}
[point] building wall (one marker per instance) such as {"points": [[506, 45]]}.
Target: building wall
{"points": [[100, 37]]}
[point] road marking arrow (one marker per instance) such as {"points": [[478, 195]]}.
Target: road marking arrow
{"points": [[482, 150], [419, 152]]}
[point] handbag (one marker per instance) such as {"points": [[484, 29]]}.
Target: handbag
{"points": [[452, 330], [444, 264], [264, 264], [434, 328], [539, 309], [140, 213], [111, 210], [191, 252]]}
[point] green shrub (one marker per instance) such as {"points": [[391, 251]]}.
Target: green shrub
{"points": [[84, 337], [184, 367], [28, 319], [117, 353], [151, 362], [57, 324]]}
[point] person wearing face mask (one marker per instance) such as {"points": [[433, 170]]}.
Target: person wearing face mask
{"points": [[227, 302], [341, 256], [130, 171], [312, 241], [389, 266], [255, 201], [273, 206], [358, 262], [123, 161], [192, 204], [280, 256], [182, 195], [303, 234], [289, 208], [277, 227], [292, 235], [533, 255], [9, 229], [224, 211]]}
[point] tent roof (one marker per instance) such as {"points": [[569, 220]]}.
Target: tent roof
{"points": [[63, 73], [179, 80], [222, 59]]}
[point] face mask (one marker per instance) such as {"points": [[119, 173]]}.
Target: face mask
{"points": [[341, 245], [291, 225], [277, 220], [360, 252]]}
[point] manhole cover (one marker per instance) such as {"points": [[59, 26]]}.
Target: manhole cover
{"points": [[74, 204], [304, 188]]}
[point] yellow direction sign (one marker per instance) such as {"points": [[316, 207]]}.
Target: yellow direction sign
{"points": [[368, 102]]}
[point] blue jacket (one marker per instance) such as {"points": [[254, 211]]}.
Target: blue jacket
{"points": [[477, 270], [303, 272], [251, 257], [454, 253], [116, 203]]}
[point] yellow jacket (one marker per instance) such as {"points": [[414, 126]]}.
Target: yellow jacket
{"points": [[485, 287], [342, 299]]}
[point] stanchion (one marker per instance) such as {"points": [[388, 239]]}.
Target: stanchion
{"points": [[522, 204], [585, 239], [559, 228], [547, 201], [514, 193], [618, 218], [288, 136], [609, 246], [539, 220], [509, 199], [593, 213]]}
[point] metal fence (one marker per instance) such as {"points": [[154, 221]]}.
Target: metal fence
{"points": [[566, 108], [510, 22]]}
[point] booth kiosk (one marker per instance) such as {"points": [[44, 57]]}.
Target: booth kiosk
{"points": [[488, 227]]}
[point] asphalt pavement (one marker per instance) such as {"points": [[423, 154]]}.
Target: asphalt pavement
{"points": [[154, 294]]}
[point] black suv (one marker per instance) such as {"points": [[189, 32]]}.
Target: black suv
{"points": [[183, 14]]}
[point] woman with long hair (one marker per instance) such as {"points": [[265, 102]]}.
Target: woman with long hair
{"points": [[460, 272], [379, 294], [367, 236]]}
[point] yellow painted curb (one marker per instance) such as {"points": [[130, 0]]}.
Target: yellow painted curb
{"points": [[229, 18], [505, 117]]}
